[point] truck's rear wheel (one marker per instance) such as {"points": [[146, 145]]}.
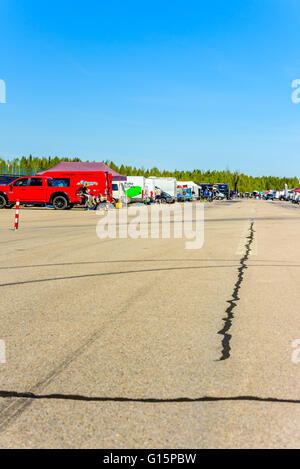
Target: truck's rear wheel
{"points": [[60, 202], [3, 201]]}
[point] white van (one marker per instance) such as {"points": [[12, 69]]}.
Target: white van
{"points": [[118, 190]]}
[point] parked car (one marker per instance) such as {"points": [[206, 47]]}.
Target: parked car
{"points": [[165, 198], [269, 196], [294, 195], [219, 195], [289, 195]]}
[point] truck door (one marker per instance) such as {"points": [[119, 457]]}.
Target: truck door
{"points": [[19, 188], [36, 190]]}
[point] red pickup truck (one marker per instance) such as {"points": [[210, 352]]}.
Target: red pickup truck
{"points": [[61, 191]]}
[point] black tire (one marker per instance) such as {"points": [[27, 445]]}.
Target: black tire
{"points": [[60, 202], [70, 206], [3, 201]]}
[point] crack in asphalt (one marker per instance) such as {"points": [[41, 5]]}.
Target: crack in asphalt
{"points": [[225, 354], [151, 400], [123, 272]]}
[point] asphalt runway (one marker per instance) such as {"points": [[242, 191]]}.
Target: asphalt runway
{"points": [[141, 343]]}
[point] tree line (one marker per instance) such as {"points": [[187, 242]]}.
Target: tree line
{"points": [[244, 182]]}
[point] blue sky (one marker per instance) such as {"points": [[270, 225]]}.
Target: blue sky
{"points": [[178, 85]]}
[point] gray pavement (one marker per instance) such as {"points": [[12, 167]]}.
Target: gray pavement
{"points": [[140, 343]]}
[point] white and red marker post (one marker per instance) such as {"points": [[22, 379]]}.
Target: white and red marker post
{"points": [[17, 215]]}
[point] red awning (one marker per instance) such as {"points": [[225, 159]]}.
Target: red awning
{"points": [[81, 167]]}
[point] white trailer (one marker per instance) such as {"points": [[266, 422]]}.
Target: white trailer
{"points": [[168, 185], [136, 189], [196, 190]]}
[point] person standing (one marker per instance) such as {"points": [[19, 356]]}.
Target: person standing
{"points": [[86, 193]]}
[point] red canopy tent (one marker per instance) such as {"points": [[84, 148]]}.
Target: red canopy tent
{"points": [[82, 167]]}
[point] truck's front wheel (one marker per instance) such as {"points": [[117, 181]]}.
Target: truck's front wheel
{"points": [[60, 202], [3, 201]]}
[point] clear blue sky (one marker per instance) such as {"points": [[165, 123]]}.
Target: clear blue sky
{"points": [[173, 84]]}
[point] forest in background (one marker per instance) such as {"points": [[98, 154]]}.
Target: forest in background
{"points": [[245, 183]]}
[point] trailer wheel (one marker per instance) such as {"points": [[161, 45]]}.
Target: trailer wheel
{"points": [[3, 201], [60, 202]]}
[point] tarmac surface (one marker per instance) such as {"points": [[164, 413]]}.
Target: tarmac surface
{"points": [[141, 343]]}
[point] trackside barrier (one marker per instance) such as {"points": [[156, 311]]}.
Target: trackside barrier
{"points": [[17, 172], [17, 215]]}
